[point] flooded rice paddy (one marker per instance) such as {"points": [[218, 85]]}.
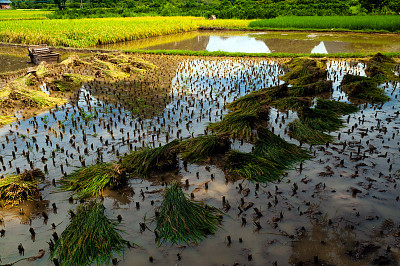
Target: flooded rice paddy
{"points": [[339, 208], [268, 42]]}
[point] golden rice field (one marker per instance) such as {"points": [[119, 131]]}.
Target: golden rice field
{"points": [[23, 14], [90, 32]]}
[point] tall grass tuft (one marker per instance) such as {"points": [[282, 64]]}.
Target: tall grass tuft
{"points": [[363, 88], [306, 134], [181, 220], [321, 120], [252, 167], [304, 71], [92, 180], [276, 149], [337, 107], [203, 147], [90, 238], [381, 68], [147, 160]]}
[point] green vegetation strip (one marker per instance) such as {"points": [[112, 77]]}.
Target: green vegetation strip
{"points": [[181, 220], [90, 237], [352, 23]]}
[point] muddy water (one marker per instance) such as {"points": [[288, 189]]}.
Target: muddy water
{"points": [[268, 42], [333, 217]]}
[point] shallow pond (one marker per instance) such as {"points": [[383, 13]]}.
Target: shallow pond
{"points": [[323, 220], [268, 42]]}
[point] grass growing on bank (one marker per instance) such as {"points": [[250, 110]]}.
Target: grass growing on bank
{"points": [[182, 220], [90, 237], [23, 14], [353, 23], [92, 180]]}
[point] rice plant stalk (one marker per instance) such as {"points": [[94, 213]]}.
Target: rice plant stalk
{"points": [[92, 180], [90, 237], [305, 134], [337, 107], [181, 220]]}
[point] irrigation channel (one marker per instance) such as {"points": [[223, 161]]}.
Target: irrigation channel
{"points": [[334, 209]]}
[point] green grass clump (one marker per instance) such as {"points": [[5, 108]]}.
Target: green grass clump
{"points": [[252, 167], [6, 119], [354, 23], [363, 88], [304, 71], [181, 220], [293, 103], [147, 160], [16, 188], [240, 124], [203, 147], [322, 120], [92, 180], [381, 68], [90, 238], [306, 134], [276, 149], [337, 107], [312, 89]]}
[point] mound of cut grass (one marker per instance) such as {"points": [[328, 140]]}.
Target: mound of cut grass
{"points": [[90, 238], [276, 149], [340, 108], [363, 88], [14, 189], [381, 68], [203, 147], [322, 120], [312, 89], [181, 220], [92, 180], [304, 71], [305, 134], [252, 167], [147, 160]]}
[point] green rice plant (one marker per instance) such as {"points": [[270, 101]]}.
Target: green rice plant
{"points": [[305, 134], [252, 167], [203, 147], [363, 88], [6, 119], [381, 68], [354, 23], [276, 149], [321, 120], [14, 189], [239, 124], [337, 107], [90, 238], [304, 71], [312, 89], [147, 160], [181, 220], [293, 103], [92, 180]]}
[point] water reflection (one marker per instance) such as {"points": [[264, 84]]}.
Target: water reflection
{"points": [[268, 42]]}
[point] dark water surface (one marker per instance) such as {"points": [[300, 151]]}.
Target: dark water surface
{"points": [[268, 42]]}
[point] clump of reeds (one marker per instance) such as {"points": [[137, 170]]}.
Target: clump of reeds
{"points": [[92, 180], [304, 71], [381, 68], [363, 88], [181, 220], [293, 103], [237, 124], [305, 134], [337, 107], [16, 188], [276, 149], [320, 119], [311, 89], [203, 147], [90, 237], [252, 167], [146, 160]]}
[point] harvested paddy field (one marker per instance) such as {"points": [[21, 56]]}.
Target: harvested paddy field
{"points": [[273, 159]]}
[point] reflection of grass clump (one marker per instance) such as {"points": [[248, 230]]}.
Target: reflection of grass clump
{"points": [[203, 147], [143, 162], [363, 88], [92, 180], [90, 237], [252, 167], [276, 149], [181, 220], [306, 134], [16, 188]]}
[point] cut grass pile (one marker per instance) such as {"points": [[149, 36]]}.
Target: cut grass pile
{"points": [[203, 147], [354, 23], [304, 71], [90, 238], [380, 67], [92, 180], [276, 149], [147, 160], [364, 88], [14, 189], [182, 221], [337, 107], [306, 134], [252, 167]]}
